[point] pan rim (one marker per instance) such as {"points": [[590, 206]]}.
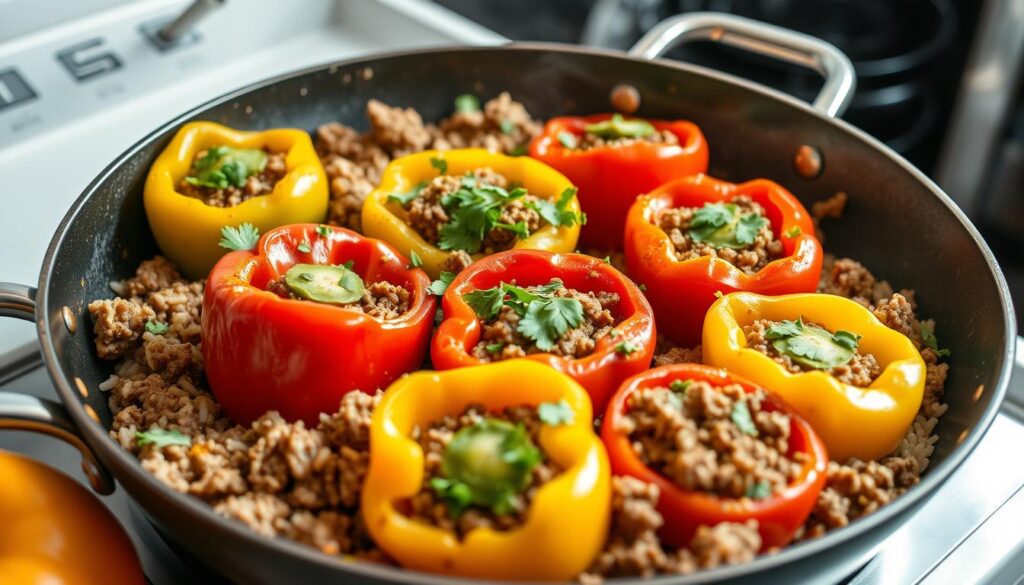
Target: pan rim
{"points": [[200, 513]]}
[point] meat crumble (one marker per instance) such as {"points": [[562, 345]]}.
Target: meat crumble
{"points": [[861, 370], [749, 257], [381, 300], [589, 141], [256, 184]]}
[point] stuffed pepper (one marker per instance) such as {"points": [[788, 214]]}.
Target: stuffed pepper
{"points": [[447, 209], [697, 238], [858, 382], [312, 313], [573, 312], [210, 176], [483, 472], [612, 160], [719, 448]]}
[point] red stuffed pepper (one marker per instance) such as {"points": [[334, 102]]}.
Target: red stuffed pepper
{"points": [[694, 239], [612, 160], [572, 312], [725, 474], [309, 315]]}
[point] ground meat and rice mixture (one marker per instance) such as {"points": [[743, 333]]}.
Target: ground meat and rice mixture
{"points": [[382, 300], [427, 506], [257, 184], [749, 257], [861, 370], [693, 436], [590, 141], [500, 338]]}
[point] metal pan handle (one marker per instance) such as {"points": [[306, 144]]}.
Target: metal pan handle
{"points": [[764, 39], [31, 413]]}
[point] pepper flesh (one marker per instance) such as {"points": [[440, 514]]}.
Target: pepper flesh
{"points": [[56, 532], [682, 291], [188, 230], [866, 423], [601, 371], [610, 178], [576, 502], [779, 516], [263, 352], [387, 220]]}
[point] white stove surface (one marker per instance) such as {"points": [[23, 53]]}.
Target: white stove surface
{"points": [[53, 144]]}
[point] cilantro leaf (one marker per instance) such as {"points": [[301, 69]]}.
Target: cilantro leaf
{"points": [[439, 286], [493, 348], [519, 228], [223, 166], [556, 213], [793, 232], [929, 339], [811, 345], [486, 302], [323, 231], [758, 490], [243, 237], [619, 127], [785, 329], [414, 259], [627, 348], [709, 218], [440, 164], [404, 199], [556, 413], [304, 246], [545, 321], [467, 103], [156, 327], [680, 385], [719, 225], [160, 438], [846, 339], [741, 418], [748, 227], [568, 139], [474, 211]]}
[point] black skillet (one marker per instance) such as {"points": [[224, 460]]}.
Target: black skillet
{"points": [[898, 222]]}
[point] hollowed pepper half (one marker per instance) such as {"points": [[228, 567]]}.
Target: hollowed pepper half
{"points": [[569, 516], [867, 423], [779, 516], [266, 352], [682, 291], [625, 351], [611, 176], [188, 230], [386, 219]]}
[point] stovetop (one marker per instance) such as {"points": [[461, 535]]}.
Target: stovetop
{"points": [[83, 91]]}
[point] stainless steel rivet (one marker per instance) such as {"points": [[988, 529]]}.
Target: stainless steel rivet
{"points": [[808, 162], [625, 98], [70, 321]]}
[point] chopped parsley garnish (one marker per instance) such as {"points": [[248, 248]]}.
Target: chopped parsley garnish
{"points": [[474, 210], [628, 347], [507, 126], [741, 418], [414, 259], [403, 199], [556, 213], [722, 226], [440, 164], [486, 465], [304, 246], [439, 286], [223, 166], [680, 385], [930, 341], [793, 232], [811, 345], [156, 327], [543, 317], [160, 438], [607, 259], [494, 348], [568, 139], [619, 127], [556, 413], [323, 231], [643, 287], [467, 103], [243, 237], [758, 490]]}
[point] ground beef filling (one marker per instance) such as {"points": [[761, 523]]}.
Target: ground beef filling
{"points": [[426, 506], [590, 141], [381, 299], [427, 215], [701, 439], [500, 338], [861, 370], [258, 184], [749, 258]]}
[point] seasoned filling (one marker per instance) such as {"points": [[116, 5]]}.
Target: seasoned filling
{"points": [[806, 347], [225, 176], [617, 132], [550, 318], [380, 299], [712, 439], [481, 469], [354, 161], [738, 232]]}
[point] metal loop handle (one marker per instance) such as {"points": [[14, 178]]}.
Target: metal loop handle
{"points": [[18, 301], [764, 39], [31, 413]]}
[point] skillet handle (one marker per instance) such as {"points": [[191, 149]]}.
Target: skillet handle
{"points": [[31, 413], [763, 39]]}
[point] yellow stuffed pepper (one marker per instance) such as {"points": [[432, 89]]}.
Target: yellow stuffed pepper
{"points": [[211, 176], [433, 204], [483, 466], [858, 382]]}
